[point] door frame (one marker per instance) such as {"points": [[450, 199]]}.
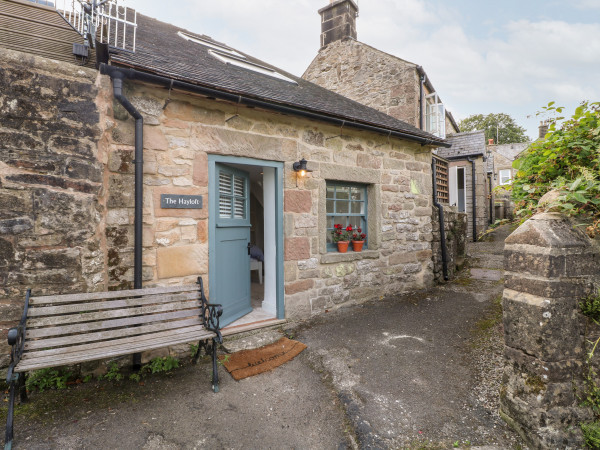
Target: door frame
{"points": [[212, 199]]}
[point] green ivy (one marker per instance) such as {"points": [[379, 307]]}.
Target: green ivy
{"points": [[567, 160]]}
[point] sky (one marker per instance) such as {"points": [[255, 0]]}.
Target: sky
{"points": [[509, 56]]}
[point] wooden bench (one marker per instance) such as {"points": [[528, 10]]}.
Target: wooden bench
{"points": [[60, 330]]}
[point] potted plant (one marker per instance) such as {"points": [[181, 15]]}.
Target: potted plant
{"points": [[341, 236], [358, 239]]}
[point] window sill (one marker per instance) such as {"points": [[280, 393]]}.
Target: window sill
{"points": [[335, 257]]}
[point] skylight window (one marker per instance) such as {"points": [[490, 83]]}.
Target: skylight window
{"points": [[249, 65], [207, 43]]}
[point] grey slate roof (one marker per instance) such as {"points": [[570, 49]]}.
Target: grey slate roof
{"points": [[160, 50], [464, 144]]}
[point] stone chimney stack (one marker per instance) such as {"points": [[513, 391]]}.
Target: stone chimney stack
{"points": [[338, 21], [543, 129]]}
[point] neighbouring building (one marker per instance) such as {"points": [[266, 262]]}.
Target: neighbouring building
{"points": [[401, 89], [180, 157]]}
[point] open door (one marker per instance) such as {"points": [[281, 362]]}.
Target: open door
{"points": [[232, 237]]}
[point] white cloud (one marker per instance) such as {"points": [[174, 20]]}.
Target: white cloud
{"points": [[516, 67], [587, 4]]}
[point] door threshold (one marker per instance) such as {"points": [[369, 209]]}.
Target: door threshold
{"points": [[235, 327]]}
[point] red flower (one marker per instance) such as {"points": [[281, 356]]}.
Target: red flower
{"points": [[338, 226], [363, 236], [349, 228], [359, 230], [354, 236]]}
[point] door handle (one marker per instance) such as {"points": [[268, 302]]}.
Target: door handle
{"points": [[249, 247]]}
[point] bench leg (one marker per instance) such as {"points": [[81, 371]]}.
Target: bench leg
{"points": [[9, 419], [23, 387], [215, 379]]}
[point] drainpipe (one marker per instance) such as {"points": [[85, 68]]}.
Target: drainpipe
{"points": [[442, 224], [472, 161], [423, 77], [117, 79], [491, 200]]}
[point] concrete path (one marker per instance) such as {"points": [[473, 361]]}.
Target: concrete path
{"points": [[414, 371]]}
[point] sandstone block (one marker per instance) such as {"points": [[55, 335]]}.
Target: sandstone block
{"points": [[298, 286], [297, 201], [200, 174], [154, 139], [297, 248], [181, 261]]}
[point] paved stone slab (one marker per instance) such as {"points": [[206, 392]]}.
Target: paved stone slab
{"points": [[486, 274]]}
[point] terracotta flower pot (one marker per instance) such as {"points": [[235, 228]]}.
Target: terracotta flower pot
{"points": [[357, 245], [343, 246]]}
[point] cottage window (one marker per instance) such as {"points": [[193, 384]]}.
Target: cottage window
{"points": [[435, 116], [346, 205], [245, 64], [209, 44], [505, 176]]}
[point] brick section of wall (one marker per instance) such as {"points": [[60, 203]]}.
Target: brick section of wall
{"points": [[456, 239], [549, 266], [50, 182]]}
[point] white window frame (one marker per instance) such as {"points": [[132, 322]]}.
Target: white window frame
{"points": [[209, 44], [435, 116], [504, 177], [227, 59]]}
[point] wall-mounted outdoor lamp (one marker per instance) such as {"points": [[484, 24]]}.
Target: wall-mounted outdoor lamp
{"points": [[300, 167]]}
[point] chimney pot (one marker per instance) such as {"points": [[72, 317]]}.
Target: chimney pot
{"points": [[338, 21], [543, 129]]}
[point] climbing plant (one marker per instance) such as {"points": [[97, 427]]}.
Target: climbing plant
{"points": [[567, 161]]}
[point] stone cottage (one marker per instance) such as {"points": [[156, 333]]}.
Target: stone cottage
{"points": [[392, 85], [183, 158]]}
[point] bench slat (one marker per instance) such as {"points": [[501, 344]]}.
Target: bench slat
{"points": [[67, 298], [110, 334], [115, 350], [40, 311], [95, 316], [106, 324], [102, 346]]}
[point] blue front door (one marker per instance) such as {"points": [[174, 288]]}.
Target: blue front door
{"points": [[232, 236]]}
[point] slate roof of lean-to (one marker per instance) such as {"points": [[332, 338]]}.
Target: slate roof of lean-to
{"points": [[160, 50]]}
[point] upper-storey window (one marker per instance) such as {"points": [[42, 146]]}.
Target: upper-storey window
{"points": [[435, 116], [505, 176], [230, 59], [213, 45]]}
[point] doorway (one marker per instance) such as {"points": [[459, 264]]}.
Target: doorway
{"points": [[246, 239]]}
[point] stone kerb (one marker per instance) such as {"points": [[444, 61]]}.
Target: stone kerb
{"points": [[549, 266]]}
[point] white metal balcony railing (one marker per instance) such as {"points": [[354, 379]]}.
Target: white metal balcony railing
{"points": [[105, 20]]}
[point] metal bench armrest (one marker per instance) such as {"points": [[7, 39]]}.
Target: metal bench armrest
{"points": [[210, 312]]}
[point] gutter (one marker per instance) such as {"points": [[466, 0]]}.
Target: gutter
{"points": [[117, 79], [255, 103], [422, 78], [442, 223]]}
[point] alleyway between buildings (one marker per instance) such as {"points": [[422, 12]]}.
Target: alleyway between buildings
{"points": [[419, 370]]}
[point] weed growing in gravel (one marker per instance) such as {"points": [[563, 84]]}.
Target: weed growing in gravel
{"points": [[51, 378]]}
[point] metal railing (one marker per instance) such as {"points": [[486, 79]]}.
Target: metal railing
{"points": [[104, 20]]}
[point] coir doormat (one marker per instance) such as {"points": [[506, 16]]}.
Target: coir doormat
{"points": [[247, 363]]}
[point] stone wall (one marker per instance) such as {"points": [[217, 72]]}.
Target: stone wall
{"points": [[455, 225], [177, 141], [550, 264], [368, 76], [51, 182]]}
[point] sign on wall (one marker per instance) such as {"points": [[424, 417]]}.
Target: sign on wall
{"points": [[175, 201]]}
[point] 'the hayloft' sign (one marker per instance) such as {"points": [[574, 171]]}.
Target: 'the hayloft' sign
{"points": [[181, 201]]}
